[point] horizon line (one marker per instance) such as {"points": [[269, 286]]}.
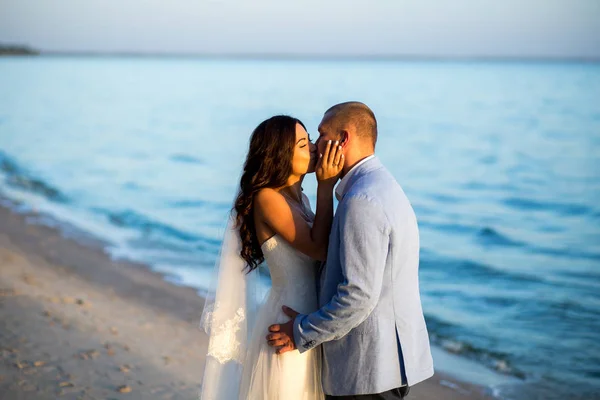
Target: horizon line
{"points": [[303, 56]]}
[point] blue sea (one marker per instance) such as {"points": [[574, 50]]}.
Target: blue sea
{"points": [[501, 161]]}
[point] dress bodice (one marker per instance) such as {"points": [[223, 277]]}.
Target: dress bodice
{"points": [[292, 273]]}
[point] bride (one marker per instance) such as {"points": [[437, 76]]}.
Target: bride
{"points": [[271, 221]]}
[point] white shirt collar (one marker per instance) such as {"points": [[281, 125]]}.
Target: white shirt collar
{"points": [[339, 190]]}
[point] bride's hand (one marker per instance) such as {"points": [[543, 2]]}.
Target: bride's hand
{"points": [[330, 164]]}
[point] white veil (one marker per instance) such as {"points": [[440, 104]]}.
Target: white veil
{"points": [[228, 318]]}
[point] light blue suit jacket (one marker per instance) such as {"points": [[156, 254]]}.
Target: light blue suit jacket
{"points": [[370, 323]]}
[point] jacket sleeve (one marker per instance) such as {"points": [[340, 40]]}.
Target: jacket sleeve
{"points": [[364, 238]]}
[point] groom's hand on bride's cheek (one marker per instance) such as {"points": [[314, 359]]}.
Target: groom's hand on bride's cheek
{"points": [[281, 336]]}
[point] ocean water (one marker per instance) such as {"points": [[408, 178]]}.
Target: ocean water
{"points": [[501, 162]]}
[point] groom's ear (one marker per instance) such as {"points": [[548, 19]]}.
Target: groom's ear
{"points": [[344, 138]]}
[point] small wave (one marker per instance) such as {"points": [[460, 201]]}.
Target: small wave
{"points": [[18, 177], [572, 310], [188, 204], [147, 226], [567, 209], [444, 198], [132, 186], [449, 337], [131, 219], [488, 160], [486, 236], [550, 228], [584, 275], [489, 236], [479, 186], [471, 270], [447, 227], [200, 204], [159, 245], [567, 253], [186, 158]]}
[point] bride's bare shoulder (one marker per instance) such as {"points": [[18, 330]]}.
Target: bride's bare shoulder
{"points": [[268, 198], [266, 195]]}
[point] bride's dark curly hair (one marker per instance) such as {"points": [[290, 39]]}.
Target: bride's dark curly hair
{"points": [[268, 165]]}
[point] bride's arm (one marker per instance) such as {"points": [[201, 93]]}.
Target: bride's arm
{"points": [[287, 222]]}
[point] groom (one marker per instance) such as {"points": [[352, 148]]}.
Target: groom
{"points": [[370, 324]]}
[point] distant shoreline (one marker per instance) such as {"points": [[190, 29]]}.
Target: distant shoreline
{"points": [[26, 51], [17, 50]]}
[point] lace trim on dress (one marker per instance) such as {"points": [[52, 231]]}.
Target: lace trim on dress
{"points": [[224, 345]]}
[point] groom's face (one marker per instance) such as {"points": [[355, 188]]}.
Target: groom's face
{"points": [[327, 132]]}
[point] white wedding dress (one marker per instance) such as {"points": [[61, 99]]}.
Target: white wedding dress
{"points": [[289, 376], [240, 364]]}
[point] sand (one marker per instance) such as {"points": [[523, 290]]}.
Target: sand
{"points": [[75, 324]]}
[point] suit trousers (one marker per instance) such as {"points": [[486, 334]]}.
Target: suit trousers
{"points": [[394, 394]]}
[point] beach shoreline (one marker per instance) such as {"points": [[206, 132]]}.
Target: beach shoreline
{"points": [[78, 324]]}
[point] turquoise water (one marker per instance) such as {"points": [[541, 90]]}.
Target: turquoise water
{"points": [[500, 161]]}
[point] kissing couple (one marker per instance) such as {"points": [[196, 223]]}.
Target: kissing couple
{"points": [[343, 317]]}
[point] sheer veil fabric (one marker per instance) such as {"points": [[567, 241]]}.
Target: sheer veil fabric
{"points": [[229, 313]]}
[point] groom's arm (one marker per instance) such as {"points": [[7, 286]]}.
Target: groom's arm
{"points": [[363, 251]]}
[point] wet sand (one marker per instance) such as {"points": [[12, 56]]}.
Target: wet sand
{"points": [[75, 324]]}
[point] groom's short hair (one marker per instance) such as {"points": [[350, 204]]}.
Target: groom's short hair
{"points": [[353, 113]]}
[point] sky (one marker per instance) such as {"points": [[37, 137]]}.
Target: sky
{"points": [[446, 28]]}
